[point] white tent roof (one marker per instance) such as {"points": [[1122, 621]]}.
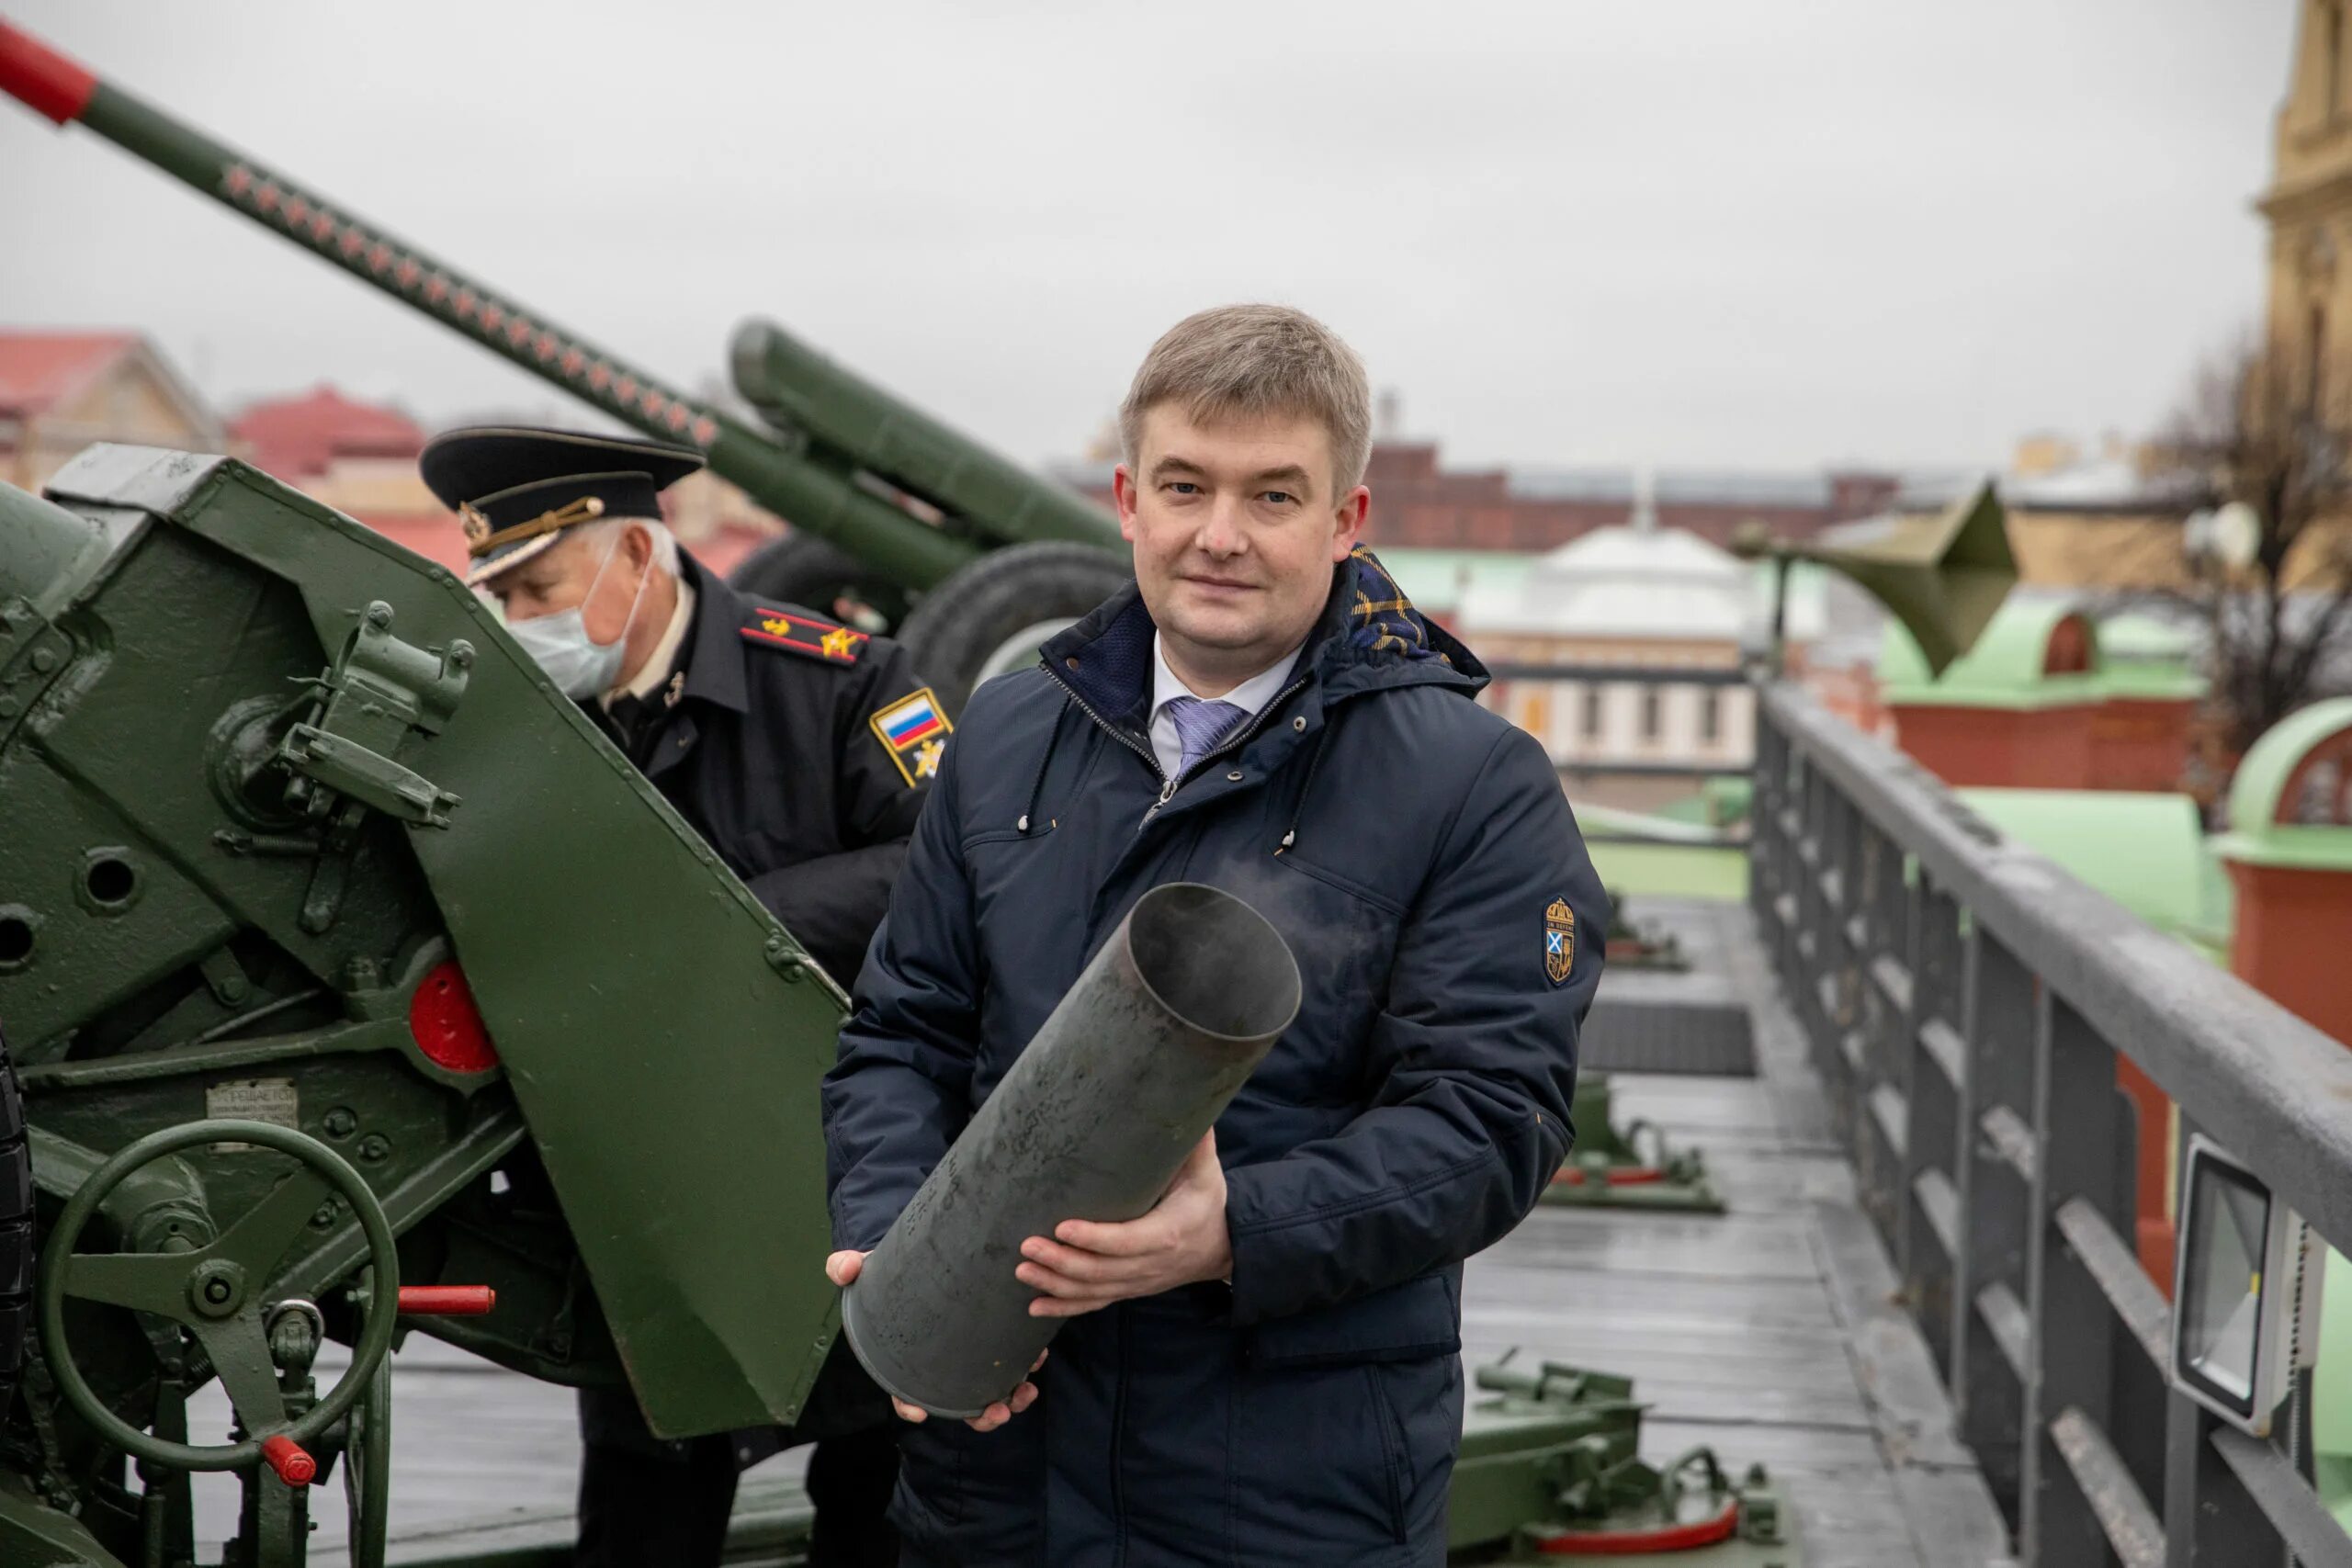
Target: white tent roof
{"points": [[1623, 583]]}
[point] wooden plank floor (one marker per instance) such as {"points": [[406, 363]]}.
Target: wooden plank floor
{"points": [[1768, 1332]]}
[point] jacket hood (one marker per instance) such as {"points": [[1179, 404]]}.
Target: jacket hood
{"points": [[1369, 637]]}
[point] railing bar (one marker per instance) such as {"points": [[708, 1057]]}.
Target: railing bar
{"points": [[1809, 850], [2005, 1315], [1784, 908], [2255, 1076], [2116, 1269], [1950, 1052], [1894, 979], [2123, 1513], [1807, 948], [1858, 931], [2012, 1140], [1891, 1111], [1833, 889], [1939, 1201], [1849, 1045], [2286, 1499]]}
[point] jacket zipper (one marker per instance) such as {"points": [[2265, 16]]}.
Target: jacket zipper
{"points": [[1239, 739]]}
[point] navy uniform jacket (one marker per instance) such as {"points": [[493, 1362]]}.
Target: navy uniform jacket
{"points": [[767, 741], [1418, 855]]}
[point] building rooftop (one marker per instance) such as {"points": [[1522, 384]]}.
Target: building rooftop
{"points": [[298, 437], [40, 369]]}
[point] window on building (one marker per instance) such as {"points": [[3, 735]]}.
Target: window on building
{"points": [[2334, 62], [2316, 357], [1593, 712], [1651, 714], [1711, 715]]}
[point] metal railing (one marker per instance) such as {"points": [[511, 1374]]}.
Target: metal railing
{"points": [[1965, 1003]]}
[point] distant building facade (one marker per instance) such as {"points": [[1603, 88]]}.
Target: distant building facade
{"points": [[1648, 627], [63, 392], [1417, 503]]}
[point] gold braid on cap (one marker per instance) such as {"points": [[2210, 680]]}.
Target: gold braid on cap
{"points": [[480, 538]]}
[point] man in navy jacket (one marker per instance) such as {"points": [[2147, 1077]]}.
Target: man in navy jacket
{"points": [[1265, 1367]]}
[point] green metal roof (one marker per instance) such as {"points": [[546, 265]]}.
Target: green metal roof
{"points": [[2003, 670], [1672, 870], [2145, 657], [2256, 835], [2145, 852], [1436, 579]]}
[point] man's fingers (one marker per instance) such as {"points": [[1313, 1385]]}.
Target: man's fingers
{"points": [[1024, 1397], [1077, 1263], [1131, 1239], [843, 1266], [1110, 1288], [1063, 1306], [915, 1412]]}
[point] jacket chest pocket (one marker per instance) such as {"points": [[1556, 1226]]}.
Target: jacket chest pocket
{"points": [[1344, 937]]}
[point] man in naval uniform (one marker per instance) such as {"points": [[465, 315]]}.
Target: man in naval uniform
{"points": [[802, 750]]}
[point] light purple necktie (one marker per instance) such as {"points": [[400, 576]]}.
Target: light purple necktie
{"points": [[1200, 725]]}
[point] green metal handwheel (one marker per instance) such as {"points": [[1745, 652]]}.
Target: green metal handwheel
{"points": [[217, 1292]]}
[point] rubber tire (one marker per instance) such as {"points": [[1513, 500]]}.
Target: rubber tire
{"points": [[15, 1231], [964, 620], [814, 573]]}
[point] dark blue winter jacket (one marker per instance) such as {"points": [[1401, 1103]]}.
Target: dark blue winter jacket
{"points": [[1418, 855]]}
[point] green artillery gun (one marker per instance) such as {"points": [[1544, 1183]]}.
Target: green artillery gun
{"points": [[328, 1023], [1632, 1167], [901, 522], [316, 1002]]}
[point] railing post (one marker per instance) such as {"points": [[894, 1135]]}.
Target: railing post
{"points": [[2077, 1119], [1889, 961], [1931, 1143], [1989, 1332]]}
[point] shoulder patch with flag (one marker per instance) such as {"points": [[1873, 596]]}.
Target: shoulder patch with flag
{"points": [[1559, 940], [914, 730], [811, 634]]}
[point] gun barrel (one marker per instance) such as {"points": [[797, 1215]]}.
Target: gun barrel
{"points": [[820, 498], [793, 385]]}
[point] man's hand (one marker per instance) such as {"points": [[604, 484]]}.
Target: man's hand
{"points": [[843, 1266], [1181, 1242]]}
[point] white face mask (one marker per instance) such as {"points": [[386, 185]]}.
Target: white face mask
{"points": [[559, 644]]}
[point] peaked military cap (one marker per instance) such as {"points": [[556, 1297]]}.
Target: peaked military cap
{"points": [[516, 488]]}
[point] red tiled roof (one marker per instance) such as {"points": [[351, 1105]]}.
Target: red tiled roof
{"points": [[291, 437], [38, 369], [433, 534]]}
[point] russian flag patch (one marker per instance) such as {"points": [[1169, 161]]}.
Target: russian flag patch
{"points": [[914, 731]]}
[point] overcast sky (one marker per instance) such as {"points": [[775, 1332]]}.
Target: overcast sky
{"points": [[1711, 232]]}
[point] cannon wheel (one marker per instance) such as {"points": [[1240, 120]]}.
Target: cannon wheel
{"points": [[989, 617], [16, 1230], [803, 569]]}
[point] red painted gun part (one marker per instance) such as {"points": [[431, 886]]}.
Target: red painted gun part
{"points": [[1623, 1175], [446, 1301], [283, 1455], [44, 80], [447, 1024], [1643, 1542]]}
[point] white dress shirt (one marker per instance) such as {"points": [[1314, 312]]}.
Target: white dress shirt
{"points": [[664, 654], [1250, 696]]}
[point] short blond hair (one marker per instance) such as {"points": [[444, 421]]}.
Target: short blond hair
{"points": [[1249, 361]]}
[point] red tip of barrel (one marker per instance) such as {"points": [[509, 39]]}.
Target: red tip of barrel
{"points": [[283, 1455], [45, 80], [446, 1301]]}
